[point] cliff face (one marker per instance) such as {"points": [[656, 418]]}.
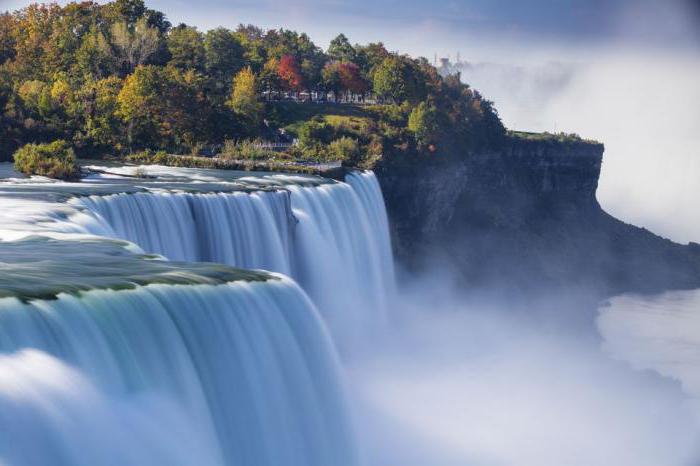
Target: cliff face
{"points": [[522, 217]]}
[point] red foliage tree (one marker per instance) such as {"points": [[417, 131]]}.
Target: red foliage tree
{"points": [[288, 71], [351, 78]]}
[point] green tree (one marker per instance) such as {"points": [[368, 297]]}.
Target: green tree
{"points": [[399, 79], [341, 50], [95, 56], [223, 58], [389, 81], [128, 11], [186, 47], [102, 128], [422, 122], [244, 96], [369, 56], [164, 107]]}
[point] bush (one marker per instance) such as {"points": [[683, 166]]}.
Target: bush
{"points": [[55, 160], [344, 148], [246, 150], [314, 131], [148, 157]]}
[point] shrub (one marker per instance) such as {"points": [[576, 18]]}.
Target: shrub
{"points": [[344, 148], [148, 157], [314, 131], [55, 160], [246, 150]]}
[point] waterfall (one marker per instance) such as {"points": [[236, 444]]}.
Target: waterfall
{"points": [[111, 355], [241, 373], [331, 237], [245, 230]]}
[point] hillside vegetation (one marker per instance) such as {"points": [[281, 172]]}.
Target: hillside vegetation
{"points": [[119, 78]]}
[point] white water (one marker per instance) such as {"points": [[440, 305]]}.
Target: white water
{"points": [[332, 238], [233, 374], [242, 373]]}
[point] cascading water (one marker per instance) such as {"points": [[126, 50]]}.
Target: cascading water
{"points": [[239, 373], [108, 356], [331, 237], [241, 229]]}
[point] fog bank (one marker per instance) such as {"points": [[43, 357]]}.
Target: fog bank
{"points": [[644, 107], [461, 380]]}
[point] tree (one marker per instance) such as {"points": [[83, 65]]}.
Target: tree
{"points": [[331, 79], [138, 103], [340, 49], [389, 81], [351, 78], [269, 79], [251, 39], [244, 96], [164, 107], [399, 79], [127, 11], [369, 56], [311, 72], [135, 43], [186, 47], [36, 97], [32, 40], [289, 74], [95, 55], [223, 58], [422, 122], [102, 128], [7, 37]]}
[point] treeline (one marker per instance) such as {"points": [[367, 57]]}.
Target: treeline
{"points": [[118, 78]]}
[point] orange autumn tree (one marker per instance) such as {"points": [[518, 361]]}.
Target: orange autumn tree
{"points": [[289, 74]]}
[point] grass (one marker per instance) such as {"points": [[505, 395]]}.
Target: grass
{"points": [[550, 137], [291, 116]]}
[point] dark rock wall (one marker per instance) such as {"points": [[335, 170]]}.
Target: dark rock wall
{"points": [[523, 217]]}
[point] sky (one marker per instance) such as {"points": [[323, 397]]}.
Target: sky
{"points": [[620, 71], [442, 26]]}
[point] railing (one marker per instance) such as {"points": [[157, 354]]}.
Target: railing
{"points": [[273, 145]]}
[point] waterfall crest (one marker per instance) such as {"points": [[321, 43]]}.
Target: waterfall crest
{"points": [[241, 373], [332, 238]]}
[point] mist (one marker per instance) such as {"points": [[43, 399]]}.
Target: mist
{"points": [[464, 379], [645, 108]]}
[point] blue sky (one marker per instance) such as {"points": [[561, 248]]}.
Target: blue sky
{"points": [[445, 26]]}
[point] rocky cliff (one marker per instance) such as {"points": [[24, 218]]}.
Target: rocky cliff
{"points": [[524, 216]]}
